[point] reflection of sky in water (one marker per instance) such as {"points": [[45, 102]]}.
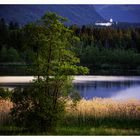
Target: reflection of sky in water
{"points": [[132, 92], [116, 87], [108, 89]]}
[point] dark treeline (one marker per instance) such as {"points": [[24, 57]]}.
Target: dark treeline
{"points": [[13, 57], [109, 50], [109, 37], [11, 42], [105, 50]]}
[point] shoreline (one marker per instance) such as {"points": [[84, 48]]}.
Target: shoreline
{"points": [[27, 79]]}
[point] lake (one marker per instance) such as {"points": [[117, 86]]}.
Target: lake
{"points": [[116, 87]]}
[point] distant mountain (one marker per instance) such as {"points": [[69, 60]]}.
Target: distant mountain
{"points": [[77, 14], [120, 13]]}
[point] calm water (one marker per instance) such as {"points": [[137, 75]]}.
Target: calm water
{"points": [[117, 87], [109, 87]]}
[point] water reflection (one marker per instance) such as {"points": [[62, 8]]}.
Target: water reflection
{"points": [[109, 89], [132, 92], [117, 87]]}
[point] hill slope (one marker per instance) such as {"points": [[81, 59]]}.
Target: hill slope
{"points": [[120, 13], [77, 14]]}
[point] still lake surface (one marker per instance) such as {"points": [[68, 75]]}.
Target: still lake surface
{"points": [[116, 87]]}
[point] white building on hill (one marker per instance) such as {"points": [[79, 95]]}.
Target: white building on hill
{"points": [[104, 23]]}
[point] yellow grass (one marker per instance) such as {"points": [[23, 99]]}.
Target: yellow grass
{"points": [[100, 108], [96, 108], [5, 106]]}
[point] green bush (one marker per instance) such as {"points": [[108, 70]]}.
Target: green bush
{"points": [[35, 110], [5, 93]]}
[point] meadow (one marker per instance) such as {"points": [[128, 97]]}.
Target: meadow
{"points": [[85, 117]]}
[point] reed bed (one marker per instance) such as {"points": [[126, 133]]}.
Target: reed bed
{"points": [[100, 107], [92, 112], [5, 106], [101, 111]]}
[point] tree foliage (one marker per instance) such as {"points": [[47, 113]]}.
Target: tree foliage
{"points": [[40, 106]]}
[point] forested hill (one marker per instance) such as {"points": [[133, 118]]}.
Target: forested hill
{"points": [[76, 14]]}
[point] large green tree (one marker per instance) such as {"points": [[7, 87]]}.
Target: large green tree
{"points": [[40, 106]]}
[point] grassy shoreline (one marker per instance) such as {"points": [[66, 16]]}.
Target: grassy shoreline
{"points": [[87, 117]]}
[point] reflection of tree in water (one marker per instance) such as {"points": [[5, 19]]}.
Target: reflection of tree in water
{"points": [[106, 84]]}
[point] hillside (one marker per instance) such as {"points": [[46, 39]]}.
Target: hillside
{"points": [[120, 13], [77, 14]]}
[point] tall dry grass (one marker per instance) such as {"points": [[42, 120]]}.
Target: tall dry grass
{"points": [[100, 109], [90, 110], [5, 106]]}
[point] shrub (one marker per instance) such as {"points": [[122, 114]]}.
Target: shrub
{"points": [[5, 93], [35, 110]]}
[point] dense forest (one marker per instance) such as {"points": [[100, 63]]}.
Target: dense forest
{"points": [[109, 50], [104, 50]]}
